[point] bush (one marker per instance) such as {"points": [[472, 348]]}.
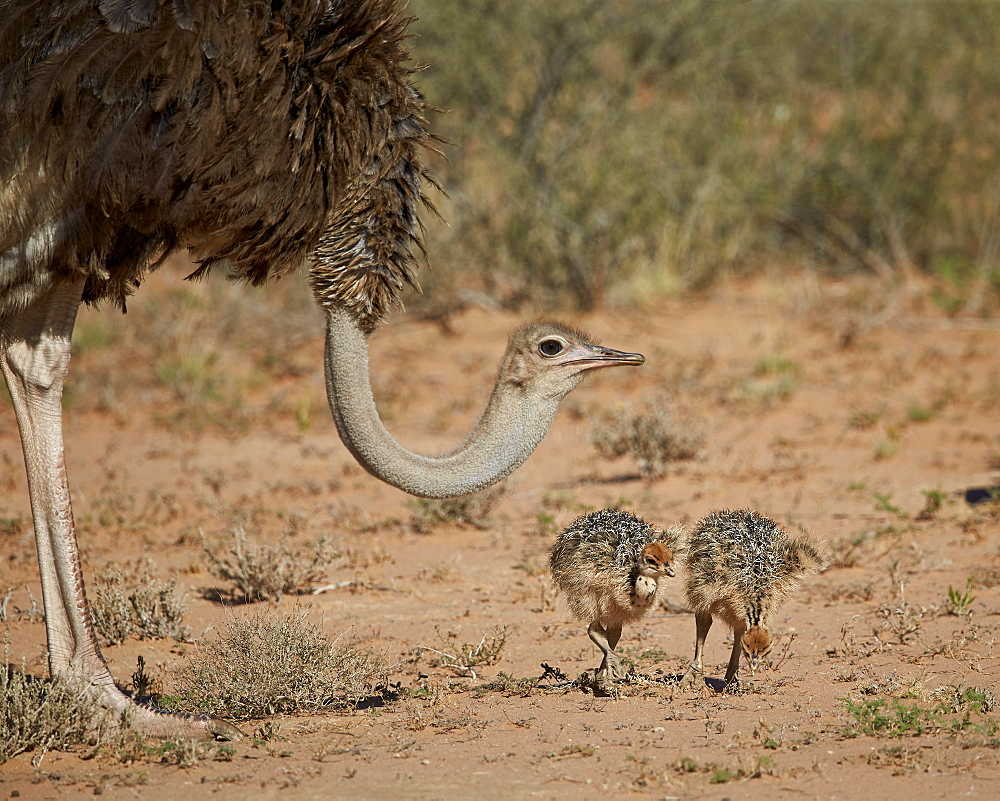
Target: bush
{"points": [[134, 604], [44, 716], [608, 145], [474, 509], [652, 439], [265, 665], [267, 572]]}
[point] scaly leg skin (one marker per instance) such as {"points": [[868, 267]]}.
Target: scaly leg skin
{"points": [[614, 665], [695, 675], [34, 359], [610, 668], [732, 672]]}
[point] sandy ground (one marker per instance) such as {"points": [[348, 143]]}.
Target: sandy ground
{"points": [[837, 408]]}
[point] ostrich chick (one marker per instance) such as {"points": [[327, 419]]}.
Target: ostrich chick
{"points": [[740, 568], [609, 564]]}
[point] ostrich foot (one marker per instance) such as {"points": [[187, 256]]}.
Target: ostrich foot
{"points": [[611, 668], [693, 679], [604, 684], [149, 721]]}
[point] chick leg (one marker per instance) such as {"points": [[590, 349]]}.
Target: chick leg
{"points": [[606, 639], [614, 665], [695, 675], [734, 657]]}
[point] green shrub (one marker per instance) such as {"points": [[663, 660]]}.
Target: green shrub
{"points": [[608, 147]]}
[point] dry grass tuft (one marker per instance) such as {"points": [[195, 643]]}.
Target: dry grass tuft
{"points": [[474, 509], [266, 665], [131, 603], [267, 572], [43, 716], [465, 657], [653, 439], [40, 716]]}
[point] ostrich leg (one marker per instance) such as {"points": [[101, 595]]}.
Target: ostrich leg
{"points": [[695, 675], [34, 358], [606, 639]]}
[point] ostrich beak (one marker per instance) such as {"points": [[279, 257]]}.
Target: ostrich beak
{"points": [[586, 357]]}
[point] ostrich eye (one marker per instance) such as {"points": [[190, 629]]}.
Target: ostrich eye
{"points": [[550, 347], [651, 562]]}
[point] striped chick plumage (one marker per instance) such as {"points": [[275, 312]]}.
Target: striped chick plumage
{"points": [[608, 565], [740, 568]]}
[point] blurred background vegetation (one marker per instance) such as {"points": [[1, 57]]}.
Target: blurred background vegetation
{"points": [[608, 150]]}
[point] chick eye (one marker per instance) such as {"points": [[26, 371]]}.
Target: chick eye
{"points": [[550, 347]]}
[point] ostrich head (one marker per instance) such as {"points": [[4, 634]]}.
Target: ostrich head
{"points": [[756, 644], [654, 563], [543, 362], [657, 560]]}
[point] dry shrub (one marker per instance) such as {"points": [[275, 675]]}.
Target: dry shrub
{"points": [[653, 439], [267, 572], [131, 603], [183, 753], [465, 657], [58, 715], [473, 509], [266, 665], [33, 614], [44, 716]]}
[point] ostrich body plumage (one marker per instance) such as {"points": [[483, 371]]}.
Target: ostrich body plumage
{"points": [[257, 134], [741, 566], [596, 562], [609, 565]]}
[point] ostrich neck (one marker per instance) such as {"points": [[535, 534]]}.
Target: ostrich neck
{"points": [[510, 428]]}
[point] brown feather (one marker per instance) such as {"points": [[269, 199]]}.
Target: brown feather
{"points": [[254, 133]]}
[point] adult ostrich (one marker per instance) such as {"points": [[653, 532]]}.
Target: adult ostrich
{"points": [[256, 133]]}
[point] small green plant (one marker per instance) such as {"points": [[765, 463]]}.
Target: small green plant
{"points": [[265, 665], [958, 601], [721, 776], [884, 504], [933, 501], [880, 717], [775, 364], [688, 765], [773, 378], [191, 376], [919, 414], [547, 525], [863, 420], [888, 446], [267, 572], [141, 680], [966, 699]]}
